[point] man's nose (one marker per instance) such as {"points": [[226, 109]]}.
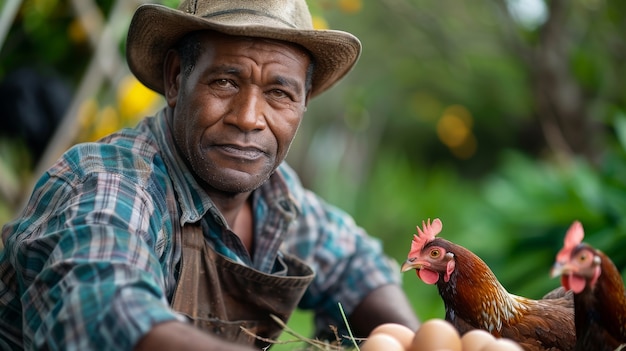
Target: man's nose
{"points": [[249, 110]]}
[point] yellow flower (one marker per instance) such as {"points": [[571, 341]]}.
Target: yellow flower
{"points": [[87, 114], [135, 99], [350, 6], [319, 23], [76, 32], [107, 123]]}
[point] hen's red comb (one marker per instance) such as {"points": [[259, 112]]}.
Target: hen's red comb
{"points": [[425, 234], [573, 237]]}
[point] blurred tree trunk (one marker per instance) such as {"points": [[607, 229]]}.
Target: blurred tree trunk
{"points": [[562, 109]]}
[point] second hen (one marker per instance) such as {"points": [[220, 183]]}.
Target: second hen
{"points": [[599, 293], [475, 299]]}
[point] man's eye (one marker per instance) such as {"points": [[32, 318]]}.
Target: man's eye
{"points": [[277, 93], [222, 83]]}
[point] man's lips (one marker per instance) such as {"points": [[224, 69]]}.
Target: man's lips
{"points": [[240, 152]]}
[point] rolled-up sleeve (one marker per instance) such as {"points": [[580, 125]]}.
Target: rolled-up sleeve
{"points": [[88, 271]]}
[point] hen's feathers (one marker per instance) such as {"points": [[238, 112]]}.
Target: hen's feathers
{"points": [[609, 300], [560, 292], [475, 299], [601, 311]]}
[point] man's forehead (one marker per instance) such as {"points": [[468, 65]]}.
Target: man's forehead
{"points": [[217, 38]]}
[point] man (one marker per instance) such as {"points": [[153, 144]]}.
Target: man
{"points": [[189, 231]]}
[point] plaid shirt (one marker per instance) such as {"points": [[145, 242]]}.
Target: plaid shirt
{"points": [[90, 263]]}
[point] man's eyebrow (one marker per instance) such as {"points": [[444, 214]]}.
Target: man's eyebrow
{"points": [[229, 69], [278, 79], [288, 82]]}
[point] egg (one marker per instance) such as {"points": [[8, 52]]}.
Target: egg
{"points": [[475, 339], [502, 345], [381, 342], [400, 332], [436, 334]]}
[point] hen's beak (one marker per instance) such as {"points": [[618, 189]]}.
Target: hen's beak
{"points": [[560, 268], [410, 264]]}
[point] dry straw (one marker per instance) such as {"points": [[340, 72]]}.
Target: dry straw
{"points": [[313, 344]]}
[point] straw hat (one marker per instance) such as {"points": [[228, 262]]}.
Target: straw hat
{"points": [[154, 29]]}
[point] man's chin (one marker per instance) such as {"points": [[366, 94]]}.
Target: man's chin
{"points": [[236, 182]]}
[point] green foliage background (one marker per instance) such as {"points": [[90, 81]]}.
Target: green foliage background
{"points": [[372, 145], [542, 103]]}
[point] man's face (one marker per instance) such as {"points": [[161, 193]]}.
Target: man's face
{"points": [[237, 112]]}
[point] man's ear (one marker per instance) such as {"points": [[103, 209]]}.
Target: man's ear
{"points": [[307, 99], [171, 77]]}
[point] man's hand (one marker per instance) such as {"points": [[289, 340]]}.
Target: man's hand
{"points": [[179, 336], [387, 304]]}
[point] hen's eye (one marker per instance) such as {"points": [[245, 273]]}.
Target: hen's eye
{"points": [[435, 253]]}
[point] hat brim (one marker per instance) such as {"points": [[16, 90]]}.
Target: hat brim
{"points": [[154, 29]]}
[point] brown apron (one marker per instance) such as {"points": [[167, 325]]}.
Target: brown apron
{"points": [[221, 296]]}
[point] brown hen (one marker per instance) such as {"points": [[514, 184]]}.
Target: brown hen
{"points": [[474, 298], [599, 294]]}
